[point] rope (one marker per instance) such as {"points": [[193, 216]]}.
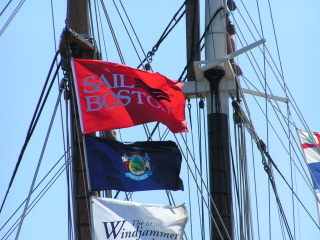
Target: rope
{"points": [[112, 32], [267, 168], [207, 190], [127, 30], [78, 137], [164, 35], [33, 190], [33, 124], [144, 54], [11, 16], [38, 166], [5, 7], [36, 200], [296, 143]]}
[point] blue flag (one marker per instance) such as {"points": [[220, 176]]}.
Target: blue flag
{"points": [[136, 166]]}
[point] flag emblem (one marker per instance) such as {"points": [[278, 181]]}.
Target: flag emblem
{"points": [[137, 166]]}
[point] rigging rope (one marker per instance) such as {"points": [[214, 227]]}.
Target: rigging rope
{"points": [[39, 163], [112, 32], [5, 7], [164, 35], [36, 199], [296, 143], [34, 190], [144, 54], [33, 124], [11, 16], [201, 215], [127, 30], [267, 166], [207, 190]]}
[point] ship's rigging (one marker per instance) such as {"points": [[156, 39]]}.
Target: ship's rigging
{"points": [[194, 144]]}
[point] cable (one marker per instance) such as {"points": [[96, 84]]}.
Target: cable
{"points": [[206, 188], [164, 35], [112, 33], [5, 7], [32, 125], [37, 199], [34, 190], [11, 16], [38, 165]]}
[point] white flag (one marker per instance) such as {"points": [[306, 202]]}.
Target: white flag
{"points": [[116, 219]]}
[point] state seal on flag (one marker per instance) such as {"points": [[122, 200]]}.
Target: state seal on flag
{"points": [[138, 167]]}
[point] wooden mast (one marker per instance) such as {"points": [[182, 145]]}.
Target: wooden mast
{"points": [[76, 38], [193, 36], [78, 29]]}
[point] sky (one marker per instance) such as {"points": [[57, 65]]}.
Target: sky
{"points": [[28, 46]]}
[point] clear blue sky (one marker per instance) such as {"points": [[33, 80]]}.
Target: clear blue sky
{"points": [[28, 48]]}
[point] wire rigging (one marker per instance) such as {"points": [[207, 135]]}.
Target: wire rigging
{"points": [[206, 188], [42, 180], [39, 164], [112, 32], [11, 16], [310, 184], [33, 124], [165, 33], [144, 54], [261, 145], [199, 175], [127, 30], [5, 7], [36, 199]]}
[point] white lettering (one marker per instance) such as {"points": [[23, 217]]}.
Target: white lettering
{"points": [[111, 100], [122, 82], [89, 103], [115, 84], [104, 98], [139, 94], [123, 97], [103, 80], [85, 81]]}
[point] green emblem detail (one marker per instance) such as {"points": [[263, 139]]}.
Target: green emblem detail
{"points": [[137, 165]]}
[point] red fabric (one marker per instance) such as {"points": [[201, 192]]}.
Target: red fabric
{"points": [[310, 145], [113, 96]]}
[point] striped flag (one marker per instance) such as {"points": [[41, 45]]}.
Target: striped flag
{"points": [[310, 143]]}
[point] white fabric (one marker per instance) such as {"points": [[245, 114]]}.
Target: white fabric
{"points": [[116, 219]]}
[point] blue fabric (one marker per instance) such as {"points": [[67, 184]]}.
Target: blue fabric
{"points": [[152, 165], [315, 170]]}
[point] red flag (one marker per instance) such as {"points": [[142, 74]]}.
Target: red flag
{"points": [[112, 96]]}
